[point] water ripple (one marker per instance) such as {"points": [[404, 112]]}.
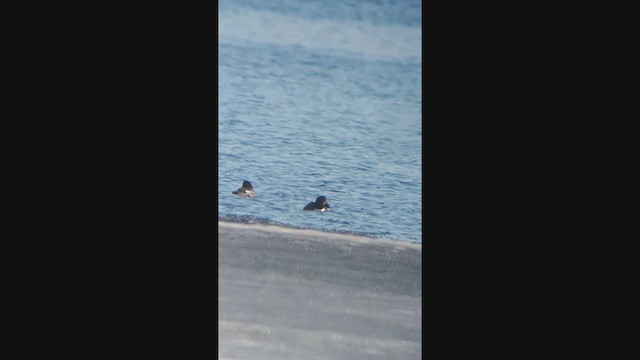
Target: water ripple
{"points": [[299, 121]]}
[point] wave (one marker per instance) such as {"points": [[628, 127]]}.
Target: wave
{"points": [[250, 219], [393, 42]]}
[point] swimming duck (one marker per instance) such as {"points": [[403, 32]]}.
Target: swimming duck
{"points": [[320, 204], [245, 191]]}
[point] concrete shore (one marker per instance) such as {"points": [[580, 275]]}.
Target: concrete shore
{"points": [[303, 294]]}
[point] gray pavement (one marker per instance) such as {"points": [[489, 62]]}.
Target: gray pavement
{"points": [[300, 294]]}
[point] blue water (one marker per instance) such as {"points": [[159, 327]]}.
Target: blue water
{"points": [[322, 98]]}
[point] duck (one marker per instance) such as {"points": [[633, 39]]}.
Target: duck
{"points": [[246, 190], [320, 204]]}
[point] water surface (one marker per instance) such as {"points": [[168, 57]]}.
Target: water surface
{"points": [[322, 98]]}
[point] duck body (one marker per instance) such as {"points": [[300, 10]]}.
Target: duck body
{"points": [[319, 205], [245, 191]]}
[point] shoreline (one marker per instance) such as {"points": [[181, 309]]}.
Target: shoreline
{"points": [[312, 233], [295, 294]]}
